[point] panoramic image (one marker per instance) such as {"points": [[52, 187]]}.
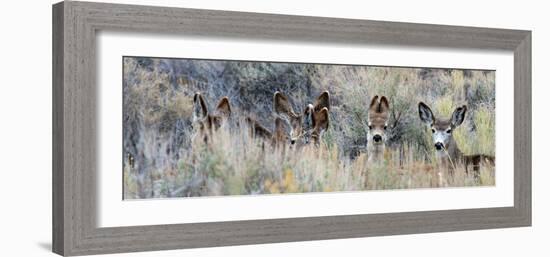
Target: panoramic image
{"points": [[203, 128]]}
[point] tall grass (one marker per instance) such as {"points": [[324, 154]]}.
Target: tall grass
{"points": [[232, 163]]}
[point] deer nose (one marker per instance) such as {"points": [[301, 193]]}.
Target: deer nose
{"points": [[438, 146], [377, 138]]}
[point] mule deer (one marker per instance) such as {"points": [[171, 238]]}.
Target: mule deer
{"points": [[308, 125], [377, 126], [447, 150], [206, 123]]}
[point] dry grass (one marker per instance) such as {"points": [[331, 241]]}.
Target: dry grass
{"points": [[234, 164]]}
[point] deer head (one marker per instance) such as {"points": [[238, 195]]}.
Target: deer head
{"points": [[378, 121], [203, 120], [442, 129], [308, 125]]}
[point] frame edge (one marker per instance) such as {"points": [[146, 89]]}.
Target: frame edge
{"points": [[58, 221], [523, 130], [64, 219]]}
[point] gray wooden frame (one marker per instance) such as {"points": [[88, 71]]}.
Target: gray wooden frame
{"points": [[75, 25]]}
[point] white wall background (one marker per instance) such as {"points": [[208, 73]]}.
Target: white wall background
{"points": [[25, 128]]}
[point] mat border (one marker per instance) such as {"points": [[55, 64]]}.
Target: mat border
{"points": [[75, 25]]}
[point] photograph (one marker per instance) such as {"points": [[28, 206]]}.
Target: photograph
{"points": [[198, 127]]}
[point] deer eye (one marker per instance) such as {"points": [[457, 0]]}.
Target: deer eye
{"points": [[370, 126], [448, 131], [385, 127], [433, 130]]}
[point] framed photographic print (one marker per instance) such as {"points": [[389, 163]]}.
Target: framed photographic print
{"points": [[181, 128]]}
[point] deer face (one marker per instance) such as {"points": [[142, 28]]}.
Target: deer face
{"points": [[310, 124], [442, 129], [378, 121], [296, 127], [203, 121]]}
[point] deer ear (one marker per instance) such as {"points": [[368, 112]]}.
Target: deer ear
{"points": [[374, 104], [321, 120], [425, 113], [458, 116], [281, 105], [200, 110], [322, 101], [384, 104], [224, 108]]}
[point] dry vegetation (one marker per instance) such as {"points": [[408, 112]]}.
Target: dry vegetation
{"points": [[170, 162]]}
